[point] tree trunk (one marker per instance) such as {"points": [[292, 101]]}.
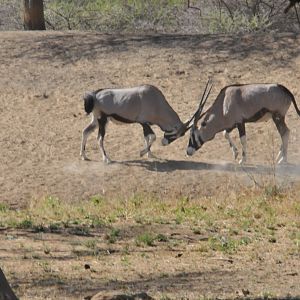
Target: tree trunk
{"points": [[6, 293], [34, 15]]}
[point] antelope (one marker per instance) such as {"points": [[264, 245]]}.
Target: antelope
{"points": [[237, 105], [143, 104]]}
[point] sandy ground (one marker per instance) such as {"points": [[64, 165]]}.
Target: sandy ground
{"points": [[44, 75]]}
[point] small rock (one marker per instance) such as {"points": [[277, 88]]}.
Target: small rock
{"points": [[180, 72]]}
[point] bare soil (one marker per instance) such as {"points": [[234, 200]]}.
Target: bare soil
{"points": [[42, 79]]}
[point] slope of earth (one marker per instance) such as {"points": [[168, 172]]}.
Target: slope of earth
{"points": [[44, 75]]}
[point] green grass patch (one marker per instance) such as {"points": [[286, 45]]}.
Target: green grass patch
{"points": [[145, 239], [227, 244], [247, 212]]}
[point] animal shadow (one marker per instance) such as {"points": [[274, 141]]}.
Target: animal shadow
{"points": [[175, 165]]}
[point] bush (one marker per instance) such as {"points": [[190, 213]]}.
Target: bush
{"points": [[137, 16], [223, 22], [113, 15]]}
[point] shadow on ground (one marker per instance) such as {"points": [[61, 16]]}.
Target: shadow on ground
{"points": [[71, 47], [174, 165]]}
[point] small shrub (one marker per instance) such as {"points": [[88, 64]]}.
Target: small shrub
{"points": [[145, 239], [223, 22], [227, 244], [25, 224], [113, 235], [91, 244], [3, 207], [96, 200], [54, 227], [161, 238]]}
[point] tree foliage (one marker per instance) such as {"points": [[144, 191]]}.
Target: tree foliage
{"points": [[136, 16]]}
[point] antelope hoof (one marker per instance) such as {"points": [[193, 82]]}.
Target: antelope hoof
{"points": [[107, 160], [282, 161], [143, 152], [83, 157], [190, 151], [151, 155], [164, 142], [242, 161]]}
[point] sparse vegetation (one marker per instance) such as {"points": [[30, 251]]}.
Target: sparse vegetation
{"points": [[259, 211], [163, 16], [145, 239]]}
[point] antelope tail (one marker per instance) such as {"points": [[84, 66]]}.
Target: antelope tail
{"points": [[296, 107], [89, 101], [288, 92]]}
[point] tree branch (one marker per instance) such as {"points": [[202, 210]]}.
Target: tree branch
{"points": [[194, 7]]}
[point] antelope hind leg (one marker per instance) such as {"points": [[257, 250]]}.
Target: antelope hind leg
{"points": [[85, 133]]}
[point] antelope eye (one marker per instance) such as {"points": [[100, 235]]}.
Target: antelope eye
{"points": [[203, 124]]}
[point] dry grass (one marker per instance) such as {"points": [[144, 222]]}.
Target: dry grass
{"points": [[146, 239], [176, 228]]}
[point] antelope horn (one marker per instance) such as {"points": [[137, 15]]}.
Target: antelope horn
{"points": [[198, 114]]}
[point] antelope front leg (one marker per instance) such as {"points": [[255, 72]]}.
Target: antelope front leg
{"points": [[149, 137], [149, 140], [231, 145]]}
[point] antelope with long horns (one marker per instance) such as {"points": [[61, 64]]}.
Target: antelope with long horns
{"points": [[143, 104], [239, 104]]}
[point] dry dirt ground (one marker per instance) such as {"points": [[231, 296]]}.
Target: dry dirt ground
{"points": [[42, 79]]}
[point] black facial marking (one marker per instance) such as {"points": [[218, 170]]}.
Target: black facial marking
{"points": [[192, 141]]}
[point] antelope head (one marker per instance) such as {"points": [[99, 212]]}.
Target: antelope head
{"points": [[171, 136]]}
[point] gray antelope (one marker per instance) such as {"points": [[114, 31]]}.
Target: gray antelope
{"points": [[239, 104], [143, 104]]}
